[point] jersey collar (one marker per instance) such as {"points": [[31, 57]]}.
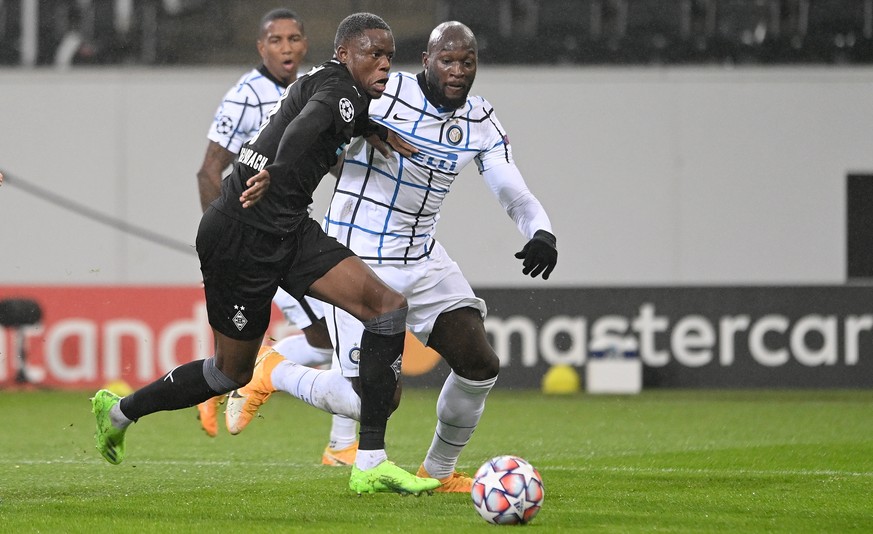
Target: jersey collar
{"points": [[263, 70], [362, 94]]}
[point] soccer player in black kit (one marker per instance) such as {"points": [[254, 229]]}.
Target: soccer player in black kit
{"points": [[258, 236]]}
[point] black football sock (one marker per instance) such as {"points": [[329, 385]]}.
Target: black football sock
{"points": [[183, 387], [379, 371]]}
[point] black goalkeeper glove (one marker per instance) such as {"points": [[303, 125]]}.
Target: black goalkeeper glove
{"points": [[539, 255]]}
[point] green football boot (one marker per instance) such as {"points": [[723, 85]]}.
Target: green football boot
{"points": [[388, 478], [110, 440]]}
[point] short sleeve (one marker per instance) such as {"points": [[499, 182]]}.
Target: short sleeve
{"points": [[236, 120], [344, 102]]}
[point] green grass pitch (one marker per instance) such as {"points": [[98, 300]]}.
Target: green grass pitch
{"points": [[662, 461]]}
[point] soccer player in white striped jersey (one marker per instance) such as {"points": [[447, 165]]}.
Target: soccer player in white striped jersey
{"points": [[282, 46], [386, 210]]}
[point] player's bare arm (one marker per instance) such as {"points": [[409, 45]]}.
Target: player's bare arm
{"points": [[217, 159], [392, 142]]}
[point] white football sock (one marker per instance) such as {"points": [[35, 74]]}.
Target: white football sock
{"points": [[117, 417], [327, 390], [343, 432], [459, 407], [296, 349], [370, 459]]}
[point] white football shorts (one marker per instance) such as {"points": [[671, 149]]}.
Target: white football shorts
{"points": [[431, 287], [294, 312]]}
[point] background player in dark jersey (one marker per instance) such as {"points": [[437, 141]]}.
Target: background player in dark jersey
{"points": [[250, 243], [282, 46]]}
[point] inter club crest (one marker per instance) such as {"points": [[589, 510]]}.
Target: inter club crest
{"points": [[454, 135]]}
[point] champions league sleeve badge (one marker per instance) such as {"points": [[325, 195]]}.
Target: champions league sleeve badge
{"points": [[224, 125], [346, 109]]}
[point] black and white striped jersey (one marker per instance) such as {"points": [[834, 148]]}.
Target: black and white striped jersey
{"points": [[386, 210], [244, 108]]}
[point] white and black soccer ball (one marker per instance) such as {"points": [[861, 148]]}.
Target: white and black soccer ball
{"points": [[507, 490]]}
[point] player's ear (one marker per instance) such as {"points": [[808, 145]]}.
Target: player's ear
{"points": [[342, 53], [424, 59]]}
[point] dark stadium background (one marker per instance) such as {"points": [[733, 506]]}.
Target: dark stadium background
{"points": [[584, 32]]}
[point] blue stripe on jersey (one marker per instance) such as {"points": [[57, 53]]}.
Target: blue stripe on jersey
{"points": [[390, 177], [236, 130], [467, 114], [364, 229], [249, 81], [426, 140], [391, 210], [409, 207], [384, 233], [246, 103], [416, 123], [498, 143]]}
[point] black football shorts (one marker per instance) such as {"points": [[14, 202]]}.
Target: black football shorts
{"points": [[242, 266]]}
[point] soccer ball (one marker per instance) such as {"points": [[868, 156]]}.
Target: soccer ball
{"points": [[507, 490]]}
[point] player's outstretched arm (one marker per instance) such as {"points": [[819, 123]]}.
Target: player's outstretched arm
{"points": [[540, 254]]}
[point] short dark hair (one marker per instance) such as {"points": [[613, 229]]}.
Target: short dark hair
{"points": [[278, 14], [355, 25]]}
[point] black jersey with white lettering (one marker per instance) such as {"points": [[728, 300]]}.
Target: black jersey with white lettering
{"points": [[298, 143]]}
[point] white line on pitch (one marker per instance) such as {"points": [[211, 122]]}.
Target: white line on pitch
{"points": [[544, 468]]}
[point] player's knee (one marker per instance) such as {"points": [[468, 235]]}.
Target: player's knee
{"points": [[479, 366], [388, 323], [491, 368], [391, 301]]}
